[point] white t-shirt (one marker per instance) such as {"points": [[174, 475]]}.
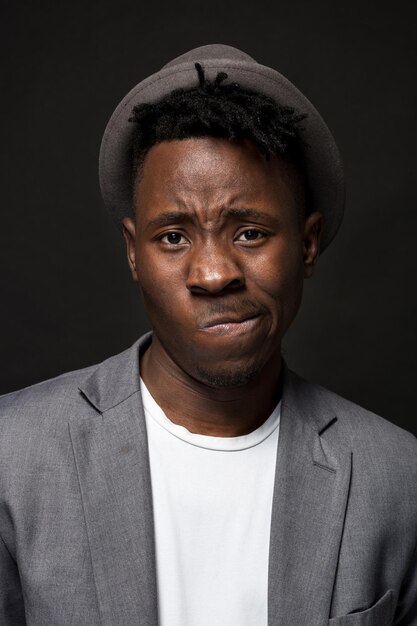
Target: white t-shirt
{"points": [[212, 499]]}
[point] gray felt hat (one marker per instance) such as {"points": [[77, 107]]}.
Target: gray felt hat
{"points": [[324, 169]]}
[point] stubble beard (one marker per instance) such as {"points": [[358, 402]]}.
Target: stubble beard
{"points": [[227, 379]]}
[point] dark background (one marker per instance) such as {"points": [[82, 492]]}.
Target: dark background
{"points": [[67, 299]]}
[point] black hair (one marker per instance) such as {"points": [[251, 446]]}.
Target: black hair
{"points": [[217, 109]]}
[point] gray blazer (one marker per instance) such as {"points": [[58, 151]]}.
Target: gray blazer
{"points": [[76, 521]]}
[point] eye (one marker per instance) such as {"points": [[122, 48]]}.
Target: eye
{"points": [[173, 238], [251, 234]]}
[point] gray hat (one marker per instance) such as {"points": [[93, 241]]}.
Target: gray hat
{"points": [[324, 169]]}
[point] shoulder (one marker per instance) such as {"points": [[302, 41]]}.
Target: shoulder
{"points": [[383, 460], [41, 412], [35, 444], [34, 418], [384, 454], [58, 394], [358, 426]]}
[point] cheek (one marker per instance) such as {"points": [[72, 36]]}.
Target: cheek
{"points": [[279, 273], [161, 283], [151, 270], [157, 296]]}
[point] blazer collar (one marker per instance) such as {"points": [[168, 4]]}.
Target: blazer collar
{"points": [[309, 503], [116, 378]]}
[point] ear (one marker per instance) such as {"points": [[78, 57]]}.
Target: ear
{"points": [[311, 242], [129, 233]]}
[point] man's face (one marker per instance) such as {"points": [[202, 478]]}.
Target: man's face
{"points": [[220, 251]]}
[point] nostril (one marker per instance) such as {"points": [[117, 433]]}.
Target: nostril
{"points": [[215, 286], [235, 284]]}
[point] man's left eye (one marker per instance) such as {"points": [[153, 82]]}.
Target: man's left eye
{"points": [[250, 235]]}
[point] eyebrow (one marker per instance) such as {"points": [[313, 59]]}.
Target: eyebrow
{"points": [[169, 217], [179, 217]]}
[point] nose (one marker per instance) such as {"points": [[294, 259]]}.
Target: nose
{"points": [[213, 269]]}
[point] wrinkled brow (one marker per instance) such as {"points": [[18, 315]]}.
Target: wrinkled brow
{"points": [[178, 217]]}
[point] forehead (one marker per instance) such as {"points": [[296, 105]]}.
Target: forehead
{"points": [[207, 171]]}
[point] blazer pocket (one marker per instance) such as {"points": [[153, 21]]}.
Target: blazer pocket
{"points": [[379, 614]]}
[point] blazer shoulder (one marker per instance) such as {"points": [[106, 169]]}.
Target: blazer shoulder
{"points": [[42, 411], [363, 430], [45, 401], [34, 435]]}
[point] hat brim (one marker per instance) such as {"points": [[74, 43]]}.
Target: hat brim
{"points": [[323, 165]]}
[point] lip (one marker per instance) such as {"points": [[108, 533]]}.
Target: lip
{"points": [[227, 326]]}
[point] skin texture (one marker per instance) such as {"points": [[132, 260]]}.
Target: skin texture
{"points": [[220, 249]]}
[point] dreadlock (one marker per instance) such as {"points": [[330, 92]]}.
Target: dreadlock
{"points": [[216, 109]]}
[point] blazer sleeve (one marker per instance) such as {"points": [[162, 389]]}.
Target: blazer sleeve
{"points": [[12, 612]]}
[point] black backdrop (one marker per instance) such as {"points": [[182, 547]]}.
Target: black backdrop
{"points": [[67, 299]]}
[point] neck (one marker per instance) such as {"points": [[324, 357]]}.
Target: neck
{"points": [[225, 412]]}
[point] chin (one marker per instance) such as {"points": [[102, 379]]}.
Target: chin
{"points": [[232, 377]]}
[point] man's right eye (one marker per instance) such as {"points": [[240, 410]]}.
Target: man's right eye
{"points": [[173, 238]]}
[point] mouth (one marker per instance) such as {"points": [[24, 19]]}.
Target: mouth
{"points": [[227, 325]]}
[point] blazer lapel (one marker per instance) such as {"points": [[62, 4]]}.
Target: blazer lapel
{"points": [[310, 498], [111, 456]]}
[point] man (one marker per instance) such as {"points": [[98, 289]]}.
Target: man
{"points": [[193, 479]]}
